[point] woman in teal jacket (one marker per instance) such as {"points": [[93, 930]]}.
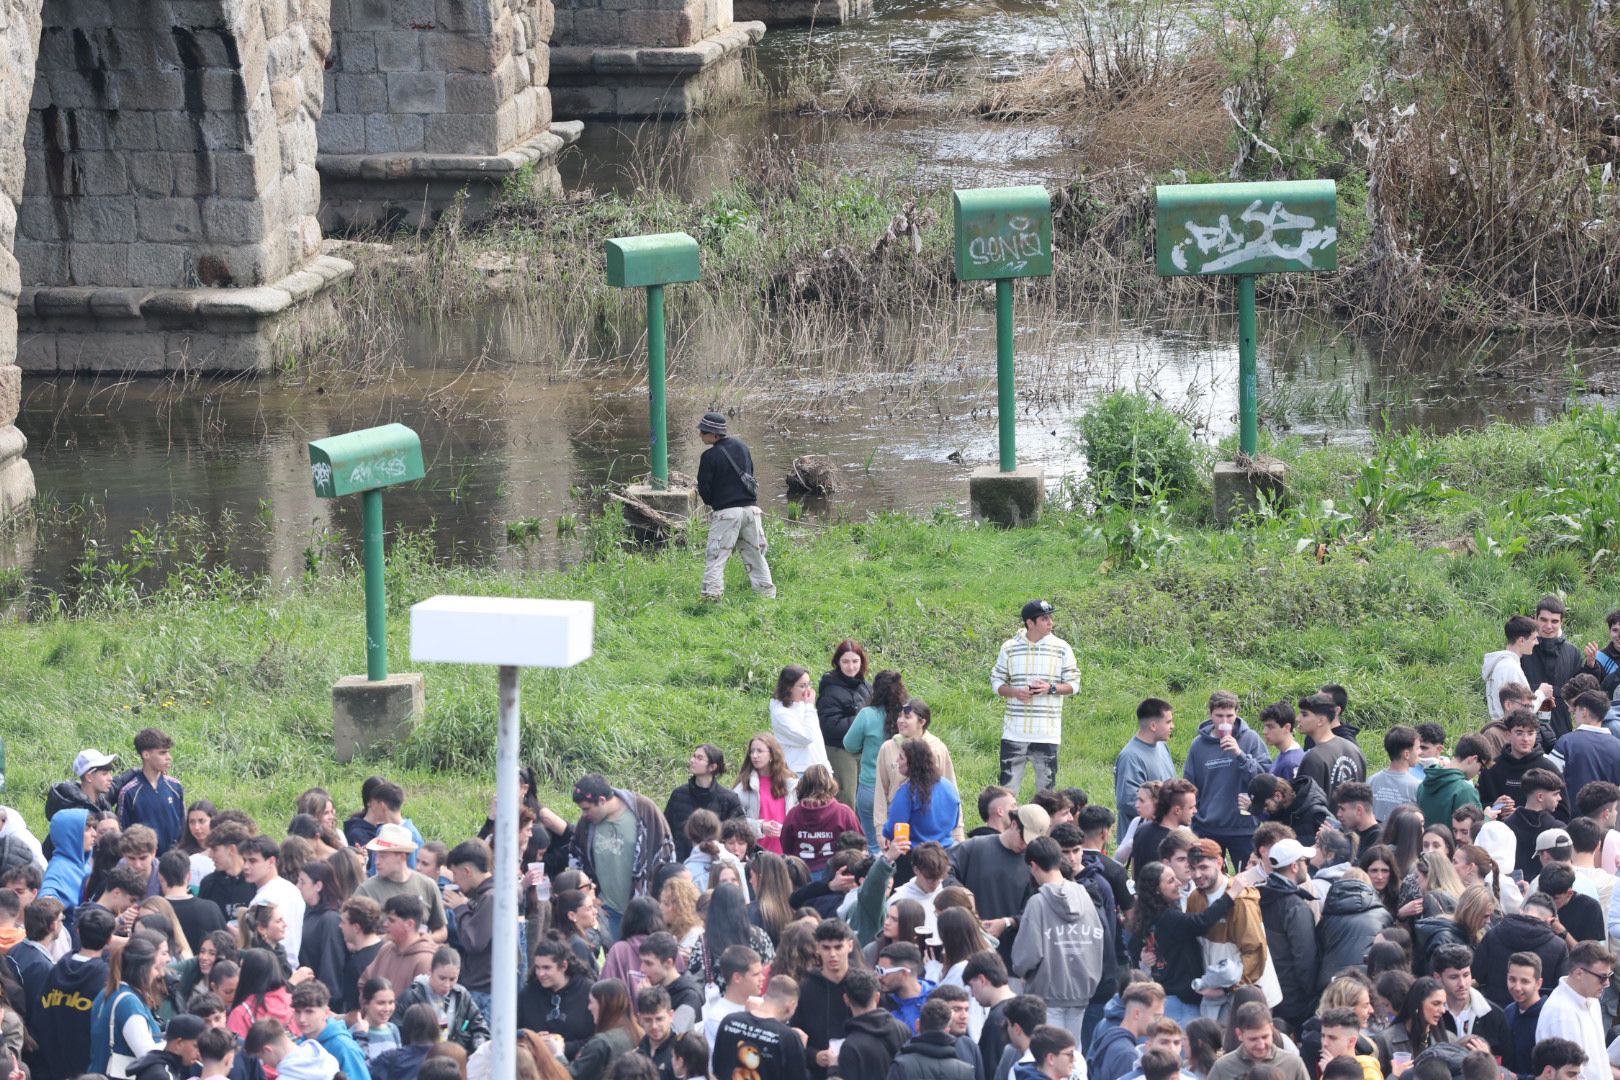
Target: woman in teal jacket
{"points": [[123, 1018], [867, 733]]}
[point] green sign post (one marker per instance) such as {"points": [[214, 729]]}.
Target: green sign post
{"points": [[1002, 234], [651, 262], [1242, 230], [366, 462]]}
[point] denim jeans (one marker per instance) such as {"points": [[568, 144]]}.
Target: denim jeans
{"points": [[611, 921], [1181, 1012], [483, 1000], [865, 800]]}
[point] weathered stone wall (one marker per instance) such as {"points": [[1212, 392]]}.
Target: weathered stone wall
{"points": [[172, 143], [19, 40], [632, 23], [436, 77]]}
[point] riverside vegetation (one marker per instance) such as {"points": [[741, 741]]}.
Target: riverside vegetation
{"points": [[1389, 569]]}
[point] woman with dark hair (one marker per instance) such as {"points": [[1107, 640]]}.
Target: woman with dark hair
{"points": [[642, 917], [419, 1031], [865, 737], [1403, 835], [1176, 958], [900, 924], [926, 802], [702, 791], [772, 906], [794, 721], [295, 852], [123, 1016], [1380, 866], [348, 874], [573, 914], [911, 725], [1435, 840], [322, 949], [262, 926], [796, 952], [765, 787], [192, 974], [199, 822], [548, 841], [321, 840], [815, 823], [726, 924], [616, 1030], [843, 692], [960, 936], [1203, 1046], [262, 992], [1417, 1023], [553, 997]]}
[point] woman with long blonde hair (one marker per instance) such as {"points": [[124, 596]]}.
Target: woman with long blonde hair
{"points": [[679, 902]]}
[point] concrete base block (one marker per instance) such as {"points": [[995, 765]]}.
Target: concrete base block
{"points": [[367, 714], [1238, 487], [1007, 498], [630, 81], [16, 484], [390, 192], [801, 12], [675, 502], [146, 331]]}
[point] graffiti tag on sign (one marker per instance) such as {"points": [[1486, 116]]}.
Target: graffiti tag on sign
{"points": [[1287, 226], [321, 472], [1265, 233], [1003, 233], [379, 471]]}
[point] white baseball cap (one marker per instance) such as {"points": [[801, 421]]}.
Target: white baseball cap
{"points": [[91, 759], [1287, 852]]}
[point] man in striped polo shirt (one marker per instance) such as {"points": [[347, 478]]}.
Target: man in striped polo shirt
{"points": [[1034, 671]]}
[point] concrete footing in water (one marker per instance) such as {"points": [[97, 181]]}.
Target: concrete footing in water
{"points": [[1007, 498]]}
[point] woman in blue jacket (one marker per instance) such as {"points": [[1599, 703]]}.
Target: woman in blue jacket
{"points": [[926, 801], [123, 1018]]}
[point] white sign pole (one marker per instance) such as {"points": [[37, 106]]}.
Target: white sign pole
{"points": [[511, 634]]}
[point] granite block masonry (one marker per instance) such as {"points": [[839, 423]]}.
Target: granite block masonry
{"points": [[433, 101], [19, 43], [167, 218]]}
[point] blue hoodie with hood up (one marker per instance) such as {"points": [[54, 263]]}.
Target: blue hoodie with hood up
{"points": [[70, 863]]}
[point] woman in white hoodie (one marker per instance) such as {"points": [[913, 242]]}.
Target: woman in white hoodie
{"points": [[794, 721]]}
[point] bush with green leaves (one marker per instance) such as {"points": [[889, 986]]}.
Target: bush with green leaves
{"points": [[1137, 450]]}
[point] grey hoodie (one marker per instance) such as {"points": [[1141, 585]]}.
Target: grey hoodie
{"points": [[1498, 670], [1059, 949]]}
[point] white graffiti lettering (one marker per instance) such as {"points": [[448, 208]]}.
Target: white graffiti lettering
{"points": [[1234, 248], [1014, 248], [322, 473], [382, 470]]}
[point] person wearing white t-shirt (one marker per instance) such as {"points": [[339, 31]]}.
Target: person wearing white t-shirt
{"points": [[1571, 1010], [260, 868], [743, 975]]}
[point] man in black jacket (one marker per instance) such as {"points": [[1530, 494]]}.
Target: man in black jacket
{"points": [[822, 1013], [1468, 1012], [174, 1059], [1555, 660], [1290, 929], [1523, 753], [873, 1036], [1529, 930], [727, 486], [931, 1055], [660, 965]]}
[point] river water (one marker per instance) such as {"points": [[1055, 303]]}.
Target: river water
{"points": [[509, 438]]}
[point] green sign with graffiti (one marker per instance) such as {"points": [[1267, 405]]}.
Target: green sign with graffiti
{"points": [[1264, 228]]}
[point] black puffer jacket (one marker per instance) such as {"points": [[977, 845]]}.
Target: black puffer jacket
{"points": [[1431, 933], [838, 699], [1352, 915], [1517, 933], [871, 1041], [931, 1056], [1291, 940]]}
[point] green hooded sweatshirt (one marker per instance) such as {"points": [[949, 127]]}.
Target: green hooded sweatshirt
{"points": [[1442, 791]]}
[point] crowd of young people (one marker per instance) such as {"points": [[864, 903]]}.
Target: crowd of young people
{"points": [[1266, 911]]}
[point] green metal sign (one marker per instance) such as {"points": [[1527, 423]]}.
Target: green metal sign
{"points": [[1002, 233], [376, 457], [365, 462], [1265, 228], [634, 262]]}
